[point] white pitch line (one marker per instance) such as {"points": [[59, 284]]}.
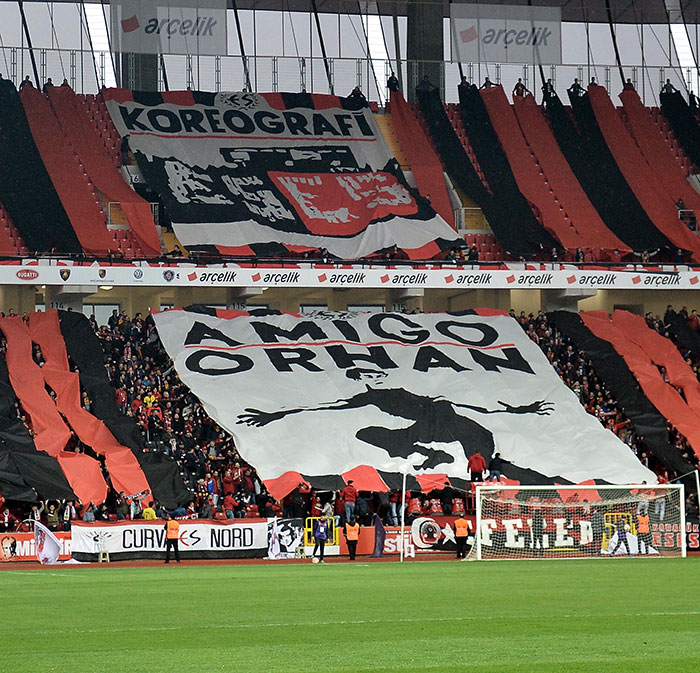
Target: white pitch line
{"points": [[359, 622]]}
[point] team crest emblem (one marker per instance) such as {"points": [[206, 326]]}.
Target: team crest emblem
{"points": [[241, 100]]}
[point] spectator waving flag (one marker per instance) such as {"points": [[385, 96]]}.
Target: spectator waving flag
{"points": [[273, 551], [47, 545]]}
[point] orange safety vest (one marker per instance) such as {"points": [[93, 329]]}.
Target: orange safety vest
{"points": [[643, 523], [172, 531], [352, 532], [461, 528]]}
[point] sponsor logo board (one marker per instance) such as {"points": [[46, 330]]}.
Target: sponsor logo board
{"points": [[156, 26], [506, 33], [445, 277], [21, 546]]}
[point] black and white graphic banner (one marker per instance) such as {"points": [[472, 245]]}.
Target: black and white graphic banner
{"points": [[325, 393], [146, 539], [243, 170]]}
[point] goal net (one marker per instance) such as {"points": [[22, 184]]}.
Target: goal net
{"points": [[527, 522]]}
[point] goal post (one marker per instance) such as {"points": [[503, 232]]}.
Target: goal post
{"points": [[583, 521]]}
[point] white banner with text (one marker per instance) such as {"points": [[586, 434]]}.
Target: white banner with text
{"points": [[506, 33]]}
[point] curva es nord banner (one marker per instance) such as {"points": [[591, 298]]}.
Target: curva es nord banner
{"points": [[506, 33], [325, 393], [161, 27], [247, 177], [126, 540]]}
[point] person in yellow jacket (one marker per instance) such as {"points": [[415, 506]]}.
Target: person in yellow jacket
{"points": [[172, 535], [461, 526], [148, 513]]}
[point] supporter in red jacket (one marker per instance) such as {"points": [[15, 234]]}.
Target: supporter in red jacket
{"points": [[349, 496], [7, 520], [230, 505], [477, 465]]}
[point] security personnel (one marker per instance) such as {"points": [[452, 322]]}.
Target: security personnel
{"points": [[352, 535], [461, 526], [643, 533], [172, 534]]}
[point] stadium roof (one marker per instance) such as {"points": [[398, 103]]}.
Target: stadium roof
{"points": [[623, 11]]}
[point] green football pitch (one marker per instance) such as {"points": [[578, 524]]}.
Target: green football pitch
{"points": [[640, 615]]}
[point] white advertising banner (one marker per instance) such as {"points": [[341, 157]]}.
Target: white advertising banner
{"points": [[326, 393], [536, 277], [162, 27], [506, 33], [146, 539]]}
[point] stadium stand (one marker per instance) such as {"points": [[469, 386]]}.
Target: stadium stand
{"points": [[497, 171], [51, 434], [683, 122], [105, 128], [671, 169], [568, 192], [77, 194], [598, 174], [101, 172], [469, 177], [425, 164], [26, 190], [581, 178], [11, 243], [640, 176], [171, 423]]}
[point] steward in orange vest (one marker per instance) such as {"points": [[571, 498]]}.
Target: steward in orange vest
{"points": [[643, 532], [461, 527], [172, 535], [352, 535]]}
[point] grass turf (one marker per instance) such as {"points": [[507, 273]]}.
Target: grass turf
{"points": [[638, 615]]}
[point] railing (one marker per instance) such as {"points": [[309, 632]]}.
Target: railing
{"points": [[289, 73], [114, 207], [466, 216]]}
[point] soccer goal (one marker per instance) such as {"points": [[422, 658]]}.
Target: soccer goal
{"points": [[557, 522]]}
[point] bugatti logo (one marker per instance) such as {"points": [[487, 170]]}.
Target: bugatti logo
{"points": [[138, 273], [168, 275], [27, 274], [65, 274]]}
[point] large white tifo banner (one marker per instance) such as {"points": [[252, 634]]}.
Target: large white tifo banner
{"points": [[323, 394], [143, 539], [236, 172], [506, 33], [162, 27]]}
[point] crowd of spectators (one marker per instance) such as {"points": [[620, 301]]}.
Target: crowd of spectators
{"points": [[578, 373], [223, 485]]}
